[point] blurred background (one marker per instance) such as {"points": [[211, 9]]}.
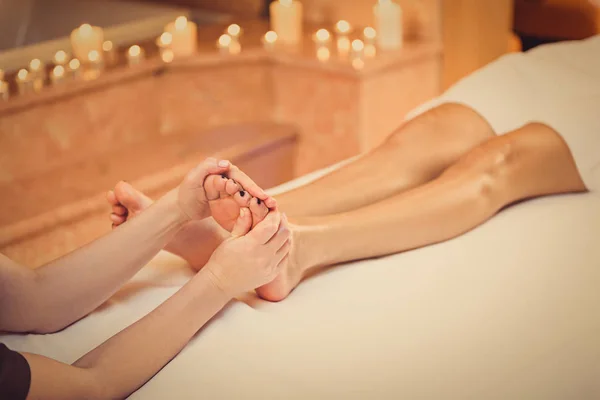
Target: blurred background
{"points": [[97, 91]]}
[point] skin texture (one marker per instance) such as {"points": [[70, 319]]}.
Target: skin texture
{"points": [[56, 295], [436, 177]]}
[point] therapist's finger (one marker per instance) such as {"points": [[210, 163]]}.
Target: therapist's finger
{"points": [[267, 228]]}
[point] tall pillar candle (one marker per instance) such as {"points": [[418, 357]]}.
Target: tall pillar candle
{"points": [[388, 24], [286, 21], [86, 38], [184, 37]]}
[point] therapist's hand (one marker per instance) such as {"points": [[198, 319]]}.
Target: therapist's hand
{"points": [[243, 263]]}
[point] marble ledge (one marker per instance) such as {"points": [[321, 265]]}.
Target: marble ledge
{"points": [[302, 56]]}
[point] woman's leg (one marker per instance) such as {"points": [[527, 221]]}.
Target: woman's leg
{"points": [[531, 161], [414, 154]]}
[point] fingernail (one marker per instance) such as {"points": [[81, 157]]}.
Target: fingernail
{"points": [[242, 193], [223, 163]]}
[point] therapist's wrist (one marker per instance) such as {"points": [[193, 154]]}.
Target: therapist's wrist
{"points": [[170, 203], [206, 282]]}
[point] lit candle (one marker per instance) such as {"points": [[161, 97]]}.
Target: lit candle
{"points": [[323, 53], [135, 55], [358, 46], [227, 45], [369, 35], [235, 31], [342, 30], [4, 93], [322, 37], [94, 66], [24, 81], [110, 53], [37, 72], [61, 58], [85, 39], [74, 68], [286, 20], [388, 22], [163, 43], [184, 37], [57, 75], [269, 40]]}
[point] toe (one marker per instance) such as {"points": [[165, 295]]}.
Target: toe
{"points": [[119, 210], [231, 187], [130, 198], [242, 198], [214, 185], [259, 210], [112, 198], [117, 219]]}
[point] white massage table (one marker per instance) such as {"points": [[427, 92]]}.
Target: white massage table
{"points": [[510, 310]]}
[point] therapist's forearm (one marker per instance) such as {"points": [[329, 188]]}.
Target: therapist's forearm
{"points": [[126, 361], [69, 288]]}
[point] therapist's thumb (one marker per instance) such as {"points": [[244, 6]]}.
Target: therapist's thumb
{"points": [[243, 223]]}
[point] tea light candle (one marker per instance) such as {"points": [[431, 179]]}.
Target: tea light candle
{"points": [[37, 72], [110, 53], [184, 36], [323, 53], [286, 20], [358, 46], [322, 37], [74, 68], [342, 30], [224, 43], [235, 31], [85, 39], [369, 35], [24, 81], [388, 22], [57, 75], [135, 55], [94, 65], [164, 46], [269, 40], [61, 57]]}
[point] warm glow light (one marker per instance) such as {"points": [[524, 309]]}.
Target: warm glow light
{"points": [[225, 40], [323, 54], [234, 30], [271, 37], [107, 45], [22, 74], [167, 55], [35, 64], [134, 51], [181, 23], [60, 57], [74, 64], [369, 33], [58, 71], [165, 39], [343, 26], [85, 30], [322, 35], [384, 1], [358, 45], [93, 56], [287, 3]]}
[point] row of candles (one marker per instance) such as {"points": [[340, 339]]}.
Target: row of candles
{"points": [[179, 39]]}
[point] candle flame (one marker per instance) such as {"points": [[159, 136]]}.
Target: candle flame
{"points": [[166, 39], [74, 64], [369, 33], [35, 64], [270, 37], [60, 57], [93, 56], [22, 74], [343, 26], [225, 40], [134, 51], [107, 45], [358, 45], [181, 23], [58, 71], [85, 30], [322, 35], [286, 3], [167, 55], [234, 30]]}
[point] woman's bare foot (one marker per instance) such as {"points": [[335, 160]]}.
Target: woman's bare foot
{"points": [[197, 240]]}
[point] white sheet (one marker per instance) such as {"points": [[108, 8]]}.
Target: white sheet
{"points": [[509, 310]]}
